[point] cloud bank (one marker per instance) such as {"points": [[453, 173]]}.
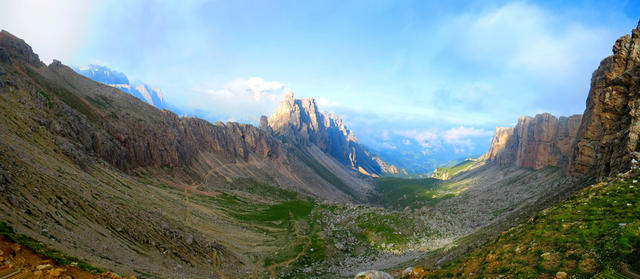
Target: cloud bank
{"points": [[241, 99]]}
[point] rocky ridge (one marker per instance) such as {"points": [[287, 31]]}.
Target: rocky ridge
{"points": [[301, 121], [602, 142], [94, 122], [535, 142]]}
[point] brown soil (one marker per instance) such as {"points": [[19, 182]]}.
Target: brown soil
{"points": [[28, 264]]}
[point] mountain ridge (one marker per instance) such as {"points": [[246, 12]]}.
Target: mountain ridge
{"points": [[301, 121], [535, 142], [130, 134]]}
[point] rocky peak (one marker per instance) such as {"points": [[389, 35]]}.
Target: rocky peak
{"points": [[264, 124], [608, 135], [535, 142], [14, 47], [302, 122]]}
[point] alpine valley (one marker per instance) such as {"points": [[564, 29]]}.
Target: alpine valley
{"points": [[98, 179]]}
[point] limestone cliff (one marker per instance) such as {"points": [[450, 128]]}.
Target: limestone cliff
{"points": [[535, 142], [608, 135], [301, 121]]}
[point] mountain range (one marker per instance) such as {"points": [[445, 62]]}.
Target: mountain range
{"points": [[102, 74], [95, 176]]}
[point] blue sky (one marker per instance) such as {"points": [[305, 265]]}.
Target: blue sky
{"points": [[433, 76]]}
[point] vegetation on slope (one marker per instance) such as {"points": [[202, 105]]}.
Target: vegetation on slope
{"points": [[448, 172], [39, 248], [594, 231], [399, 193]]}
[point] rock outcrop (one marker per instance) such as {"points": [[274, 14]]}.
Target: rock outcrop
{"points": [[301, 121], [501, 150], [608, 136], [14, 47], [535, 142]]}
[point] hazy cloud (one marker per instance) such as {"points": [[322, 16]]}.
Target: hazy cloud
{"points": [[242, 100], [54, 29], [460, 139], [461, 134]]}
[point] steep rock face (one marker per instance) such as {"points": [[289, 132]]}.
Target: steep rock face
{"points": [[535, 142], [608, 134], [301, 121], [14, 47], [501, 150]]}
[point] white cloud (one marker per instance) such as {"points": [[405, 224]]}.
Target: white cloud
{"points": [[240, 99], [461, 134], [325, 103], [426, 139], [524, 37], [54, 29], [388, 145], [460, 139]]}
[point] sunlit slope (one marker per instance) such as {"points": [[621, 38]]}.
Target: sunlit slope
{"points": [[448, 172], [595, 230]]}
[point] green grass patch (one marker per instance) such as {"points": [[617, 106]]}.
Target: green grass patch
{"points": [[285, 211], [255, 187], [399, 193], [385, 228], [451, 171]]}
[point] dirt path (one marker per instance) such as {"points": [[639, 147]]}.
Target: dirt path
{"points": [[193, 188], [272, 268]]}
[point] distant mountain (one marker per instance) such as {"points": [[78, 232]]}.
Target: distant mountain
{"points": [[301, 121], [150, 94], [415, 161]]}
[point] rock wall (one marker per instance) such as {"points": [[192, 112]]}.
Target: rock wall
{"points": [[535, 142], [301, 121], [608, 136], [160, 137], [501, 149]]}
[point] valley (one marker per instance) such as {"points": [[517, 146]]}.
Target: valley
{"points": [[100, 183]]}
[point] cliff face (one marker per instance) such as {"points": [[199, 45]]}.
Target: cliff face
{"points": [[535, 142], [608, 136], [301, 121], [601, 143], [501, 149]]}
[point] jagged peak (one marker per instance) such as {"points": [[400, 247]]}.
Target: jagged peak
{"points": [[302, 121]]}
